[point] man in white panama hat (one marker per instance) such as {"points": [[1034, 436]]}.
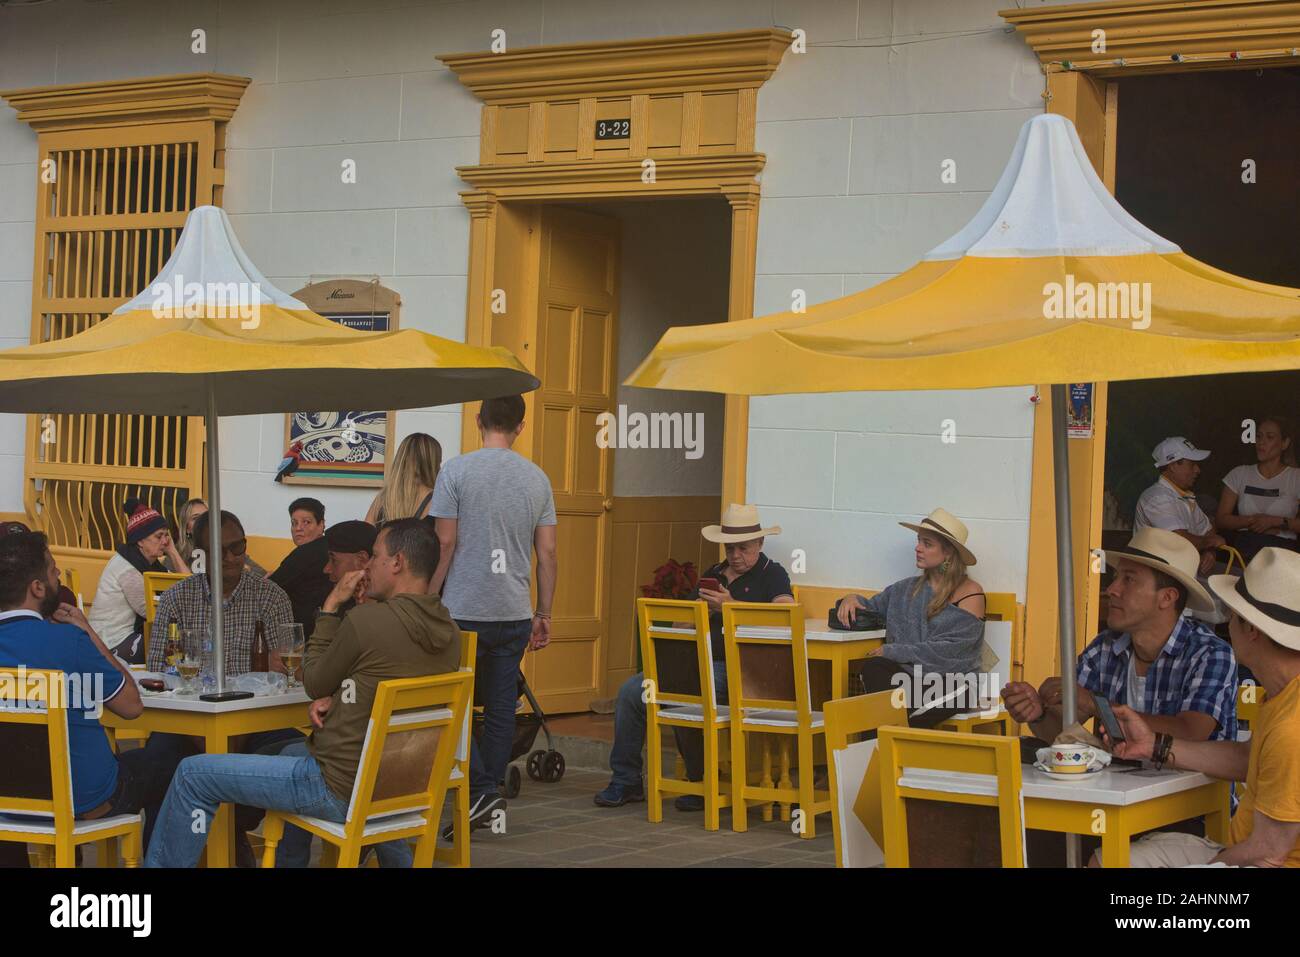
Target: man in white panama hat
{"points": [[1264, 604], [746, 575], [1170, 667]]}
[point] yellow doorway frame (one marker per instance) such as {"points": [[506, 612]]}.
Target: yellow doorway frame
{"points": [[1139, 38]]}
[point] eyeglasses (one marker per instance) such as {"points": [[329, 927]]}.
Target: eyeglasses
{"points": [[236, 548]]}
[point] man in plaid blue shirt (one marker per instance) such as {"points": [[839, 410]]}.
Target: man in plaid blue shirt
{"points": [[1170, 667]]}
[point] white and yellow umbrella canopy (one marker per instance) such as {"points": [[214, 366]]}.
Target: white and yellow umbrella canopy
{"points": [[212, 320], [1051, 282]]}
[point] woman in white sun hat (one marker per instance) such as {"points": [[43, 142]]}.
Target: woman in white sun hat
{"points": [[1264, 605], [934, 621]]}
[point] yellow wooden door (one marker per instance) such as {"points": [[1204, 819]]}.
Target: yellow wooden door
{"points": [[577, 312]]}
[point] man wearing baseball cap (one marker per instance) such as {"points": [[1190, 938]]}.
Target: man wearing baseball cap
{"points": [[1171, 504], [1264, 604]]}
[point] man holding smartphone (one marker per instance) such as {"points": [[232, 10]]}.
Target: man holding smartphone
{"points": [[746, 575], [1265, 831]]}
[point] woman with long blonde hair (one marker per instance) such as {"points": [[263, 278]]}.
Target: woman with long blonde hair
{"points": [[408, 480], [934, 621]]}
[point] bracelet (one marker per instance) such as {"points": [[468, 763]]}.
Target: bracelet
{"points": [[1160, 752], [538, 614]]}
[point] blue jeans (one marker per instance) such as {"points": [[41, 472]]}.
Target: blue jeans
{"points": [[629, 733], [501, 646], [290, 781]]}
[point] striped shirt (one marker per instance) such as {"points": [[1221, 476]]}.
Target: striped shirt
{"points": [[1194, 671], [188, 603]]}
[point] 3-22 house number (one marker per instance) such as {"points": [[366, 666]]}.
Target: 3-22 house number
{"points": [[613, 129]]}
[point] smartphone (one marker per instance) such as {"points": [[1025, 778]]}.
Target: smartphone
{"points": [[1108, 719], [710, 584]]}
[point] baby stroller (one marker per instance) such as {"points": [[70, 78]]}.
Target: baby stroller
{"points": [[547, 765]]}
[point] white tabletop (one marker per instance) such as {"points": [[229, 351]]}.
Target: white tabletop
{"points": [[170, 701], [814, 629], [1111, 787]]}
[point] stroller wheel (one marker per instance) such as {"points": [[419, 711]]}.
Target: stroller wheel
{"points": [[535, 764], [513, 780], [552, 767]]}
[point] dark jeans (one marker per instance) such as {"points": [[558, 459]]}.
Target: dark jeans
{"points": [[501, 646], [1249, 543], [878, 674], [629, 733]]}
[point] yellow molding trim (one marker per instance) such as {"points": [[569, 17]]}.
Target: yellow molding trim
{"points": [[1146, 35], [157, 99], [661, 65], [731, 169]]}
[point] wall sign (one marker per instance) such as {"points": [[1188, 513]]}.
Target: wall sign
{"points": [[350, 446], [613, 129], [1079, 422]]}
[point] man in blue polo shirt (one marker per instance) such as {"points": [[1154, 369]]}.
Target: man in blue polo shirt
{"points": [[102, 784], [746, 575], [1167, 666]]}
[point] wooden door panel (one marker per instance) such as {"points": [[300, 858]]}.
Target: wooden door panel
{"points": [[577, 334]]}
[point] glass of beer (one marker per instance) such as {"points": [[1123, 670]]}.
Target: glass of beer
{"points": [[291, 645], [190, 661]]}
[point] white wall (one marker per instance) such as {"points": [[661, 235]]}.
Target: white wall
{"points": [[854, 130], [675, 263]]}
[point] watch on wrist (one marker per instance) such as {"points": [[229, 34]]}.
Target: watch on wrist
{"points": [[1160, 751]]}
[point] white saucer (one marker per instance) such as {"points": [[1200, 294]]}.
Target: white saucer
{"points": [[1095, 768]]}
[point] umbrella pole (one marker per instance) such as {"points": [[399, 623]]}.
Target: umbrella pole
{"points": [[1064, 572], [214, 538]]}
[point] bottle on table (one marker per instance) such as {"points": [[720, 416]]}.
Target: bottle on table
{"points": [[260, 658], [172, 649]]}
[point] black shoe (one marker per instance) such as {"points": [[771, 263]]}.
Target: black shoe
{"points": [[689, 802], [480, 814], [616, 795]]}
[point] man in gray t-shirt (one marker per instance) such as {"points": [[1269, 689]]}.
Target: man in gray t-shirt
{"points": [[492, 508]]}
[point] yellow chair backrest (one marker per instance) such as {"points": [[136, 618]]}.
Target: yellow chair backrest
{"points": [[854, 769], [920, 769], [34, 741], [410, 744], [767, 669], [818, 600], [468, 662], [72, 578], [155, 583], [676, 655], [1249, 697]]}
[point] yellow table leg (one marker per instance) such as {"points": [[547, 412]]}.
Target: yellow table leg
{"points": [[766, 780], [1115, 840], [221, 831]]}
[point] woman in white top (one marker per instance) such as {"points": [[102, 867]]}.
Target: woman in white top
{"points": [[1259, 502], [118, 612]]}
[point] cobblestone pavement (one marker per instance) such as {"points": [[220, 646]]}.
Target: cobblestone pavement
{"points": [[556, 825]]}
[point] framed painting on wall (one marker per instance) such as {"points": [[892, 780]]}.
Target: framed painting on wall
{"points": [[349, 446]]}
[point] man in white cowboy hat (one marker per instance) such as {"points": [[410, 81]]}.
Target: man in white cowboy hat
{"points": [[1264, 605], [1171, 504], [1170, 667], [746, 575]]}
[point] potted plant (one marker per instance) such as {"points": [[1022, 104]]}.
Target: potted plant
{"points": [[672, 579]]}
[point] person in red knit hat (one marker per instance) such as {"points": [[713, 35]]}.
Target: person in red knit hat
{"points": [[119, 608]]}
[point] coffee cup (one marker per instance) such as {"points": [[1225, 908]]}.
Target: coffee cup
{"points": [[1071, 758]]}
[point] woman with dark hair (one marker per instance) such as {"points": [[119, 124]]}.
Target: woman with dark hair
{"points": [[119, 609], [1260, 502]]}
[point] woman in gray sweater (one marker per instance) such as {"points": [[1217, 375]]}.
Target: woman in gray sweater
{"points": [[934, 621]]}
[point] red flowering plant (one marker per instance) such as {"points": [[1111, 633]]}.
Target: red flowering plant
{"points": [[672, 580]]}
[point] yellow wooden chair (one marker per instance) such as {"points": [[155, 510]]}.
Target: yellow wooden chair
{"points": [[855, 775], [677, 659], [928, 771], [406, 762], [457, 855], [769, 691], [155, 583], [1004, 628], [72, 578], [818, 600], [37, 779]]}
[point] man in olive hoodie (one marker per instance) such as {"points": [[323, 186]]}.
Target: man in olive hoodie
{"points": [[403, 633]]}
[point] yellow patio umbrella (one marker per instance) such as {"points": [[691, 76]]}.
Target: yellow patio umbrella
{"points": [[1051, 282], [212, 336]]}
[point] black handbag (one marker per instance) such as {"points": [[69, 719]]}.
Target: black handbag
{"points": [[863, 619]]}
